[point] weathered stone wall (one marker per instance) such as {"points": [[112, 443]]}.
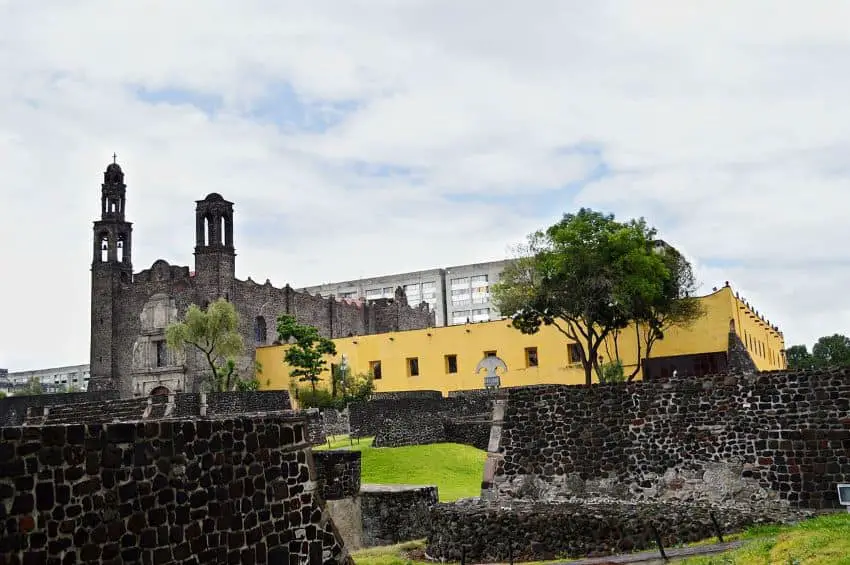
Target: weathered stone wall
{"points": [[235, 490], [13, 409], [338, 473], [367, 418], [411, 429], [315, 429], [247, 402], [335, 421], [474, 431], [740, 438], [403, 394], [548, 531], [395, 513]]}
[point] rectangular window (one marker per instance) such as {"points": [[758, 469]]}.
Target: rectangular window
{"points": [[388, 292], [479, 280], [375, 369], [530, 356], [481, 315], [160, 353], [429, 290], [351, 294], [460, 283], [460, 316], [413, 366], [490, 353], [451, 363], [574, 353], [373, 294]]}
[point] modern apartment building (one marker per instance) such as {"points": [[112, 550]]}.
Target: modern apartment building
{"points": [[56, 379], [457, 294]]}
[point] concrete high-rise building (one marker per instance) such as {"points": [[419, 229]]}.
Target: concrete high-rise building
{"points": [[54, 379], [456, 294]]}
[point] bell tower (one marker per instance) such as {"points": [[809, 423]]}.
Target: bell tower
{"points": [[111, 268], [215, 256]]}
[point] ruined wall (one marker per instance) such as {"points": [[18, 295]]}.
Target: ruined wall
{"points": [[194, 491], [367, 418], [338, 473], [395, 513], [415, 428], [734, 438], [542, 531], [335, 421], [13, 409]]}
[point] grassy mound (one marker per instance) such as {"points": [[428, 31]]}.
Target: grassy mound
{"points": [[455, 469]]}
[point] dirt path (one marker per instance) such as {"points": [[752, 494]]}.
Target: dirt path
{"points": [[654, 557]]}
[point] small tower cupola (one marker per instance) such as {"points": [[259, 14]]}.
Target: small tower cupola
{"points": [[113, 192], [213, 224], [112, 234]]}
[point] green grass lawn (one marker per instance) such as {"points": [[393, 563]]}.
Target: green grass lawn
{"points": [[820, 541], [455, 469]]}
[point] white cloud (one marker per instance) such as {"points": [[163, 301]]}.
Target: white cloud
{"points": [[724, 124]]}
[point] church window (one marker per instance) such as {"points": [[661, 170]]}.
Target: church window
{"points": [[260, 330], [221, 230], [104, 248], [207, 231], [120, 249], [161, 353]]}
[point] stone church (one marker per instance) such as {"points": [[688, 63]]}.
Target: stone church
{"points": [[130, 311]]}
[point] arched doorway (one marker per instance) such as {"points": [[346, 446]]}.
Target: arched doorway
{"points": [[160, 391]]}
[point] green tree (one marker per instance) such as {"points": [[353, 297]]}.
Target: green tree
{"points": [[832, 351], [588, 276], [674, 306], [306, 354], [799, 358], [214, 333], [33, 387]]}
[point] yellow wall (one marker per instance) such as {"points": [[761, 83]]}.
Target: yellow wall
{"points": [[470, 342]]}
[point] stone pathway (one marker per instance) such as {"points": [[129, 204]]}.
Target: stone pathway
{"points": [[654, 557]]}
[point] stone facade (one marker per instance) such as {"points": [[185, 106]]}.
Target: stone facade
{"points": [[542, 531], [315, 427], [338, 473], [727, 438], [395, 513], [129, 312], [236, 490]]}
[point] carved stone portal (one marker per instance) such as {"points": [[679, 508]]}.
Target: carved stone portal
{"points": [[154, 364]]}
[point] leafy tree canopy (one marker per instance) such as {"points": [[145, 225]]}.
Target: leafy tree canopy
{"points": [[214, 333], [590, 276], [306, 350], [828, 351]]}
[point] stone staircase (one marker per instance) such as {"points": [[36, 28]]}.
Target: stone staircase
{"points": [[125, 410]]}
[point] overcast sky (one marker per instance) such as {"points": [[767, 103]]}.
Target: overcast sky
{"points": [[360, 138]]}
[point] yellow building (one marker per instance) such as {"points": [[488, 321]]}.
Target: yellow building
{"points": [[445, 358]]}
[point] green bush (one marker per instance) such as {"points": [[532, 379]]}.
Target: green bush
{"points": [[350, 388]]}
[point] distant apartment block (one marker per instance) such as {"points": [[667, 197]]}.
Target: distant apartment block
{"points": [[457, 294], [56, 379]]}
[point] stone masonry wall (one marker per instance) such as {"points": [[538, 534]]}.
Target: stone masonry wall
{"points": [[724, 438], [411, 429], [335, 421], [552, 531], [395, 513], [234, 490], [338, 473], [367, 418]]}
